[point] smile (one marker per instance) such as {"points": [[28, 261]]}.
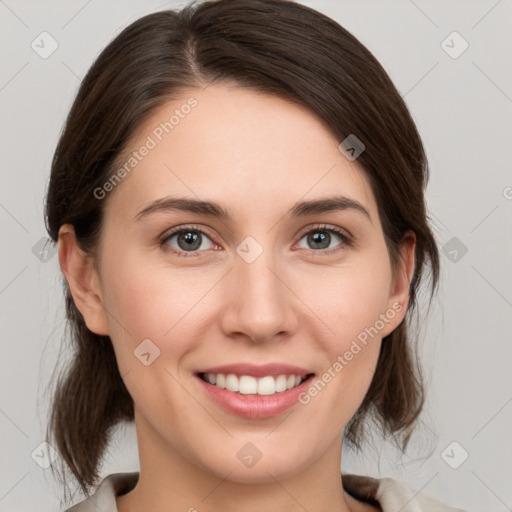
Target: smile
{"points": [[254, 391]]}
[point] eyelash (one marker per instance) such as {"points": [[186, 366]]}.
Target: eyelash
{"points": [[347, 240]]}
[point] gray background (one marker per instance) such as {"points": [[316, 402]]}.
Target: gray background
{"points": [[462, 107]]}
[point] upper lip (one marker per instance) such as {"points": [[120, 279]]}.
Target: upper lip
{"points": [[271, 369]]}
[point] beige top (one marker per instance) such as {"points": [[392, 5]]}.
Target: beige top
{"points": [[391, 495]]}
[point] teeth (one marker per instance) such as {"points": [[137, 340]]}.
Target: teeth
{"points": [[248, 385], [232, 382], [281, 383]]}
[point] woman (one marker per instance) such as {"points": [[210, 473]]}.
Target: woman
{"points": [[238, 201]]}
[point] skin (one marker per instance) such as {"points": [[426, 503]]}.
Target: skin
{"points": [[256, 155]]}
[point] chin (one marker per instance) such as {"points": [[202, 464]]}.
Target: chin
{"points": [[261, 470]]}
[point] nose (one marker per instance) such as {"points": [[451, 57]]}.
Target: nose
{"points": [[260, 306]]}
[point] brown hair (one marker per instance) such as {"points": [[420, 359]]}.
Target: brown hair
{"points": [[273, 46]]}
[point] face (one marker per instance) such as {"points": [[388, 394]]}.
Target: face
{"points": [[285, 302]]}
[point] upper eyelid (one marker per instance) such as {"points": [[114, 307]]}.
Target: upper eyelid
{"points": [[191, 227], [326, 227]]}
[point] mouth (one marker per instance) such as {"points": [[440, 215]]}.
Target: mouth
{"points": [[254, 391], [248, 385]]}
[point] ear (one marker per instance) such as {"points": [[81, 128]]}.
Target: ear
{"points": [[398, 301], [83, 280]]}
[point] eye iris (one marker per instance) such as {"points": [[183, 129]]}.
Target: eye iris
{"points": [[192, 239], [317, 238]]}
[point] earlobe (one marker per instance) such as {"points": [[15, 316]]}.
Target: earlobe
{"points": [[398, 301], [81, 276]]}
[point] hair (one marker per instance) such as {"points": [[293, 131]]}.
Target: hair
{"points": [[276, 47]]}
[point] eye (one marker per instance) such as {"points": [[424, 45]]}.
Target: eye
{"points": [[320, 238], [188, 239]]}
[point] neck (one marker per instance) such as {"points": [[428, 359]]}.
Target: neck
{"points": [[169, 482]]}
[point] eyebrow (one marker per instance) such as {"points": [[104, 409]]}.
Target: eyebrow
{"points": [[214, 210]]}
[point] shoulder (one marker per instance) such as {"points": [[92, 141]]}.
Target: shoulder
{"points": [[391, 495], [104, 497], [387, 493]]}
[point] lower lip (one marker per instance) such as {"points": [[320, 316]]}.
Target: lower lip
{"points": [[254, 406]]}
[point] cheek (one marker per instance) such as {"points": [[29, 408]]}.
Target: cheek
{"points": [[156, 302], [151, 310], [354, 306], [349, 299]]}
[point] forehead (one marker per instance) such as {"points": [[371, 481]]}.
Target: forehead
{"points": [[249, 150]]}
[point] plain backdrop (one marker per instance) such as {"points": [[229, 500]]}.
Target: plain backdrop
{"points": [[458, 87]]}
